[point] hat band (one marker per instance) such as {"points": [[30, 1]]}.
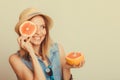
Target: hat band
{"points": [[34, 14]]}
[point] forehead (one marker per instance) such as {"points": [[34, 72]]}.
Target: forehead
{"points": [[38, 19]]}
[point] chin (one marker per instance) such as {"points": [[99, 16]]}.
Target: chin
{"points": [[36, 43]]}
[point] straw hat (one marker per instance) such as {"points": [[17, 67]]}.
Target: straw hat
{"points": [[28, 14]]}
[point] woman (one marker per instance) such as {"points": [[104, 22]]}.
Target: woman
{"points": [[39, 58]]}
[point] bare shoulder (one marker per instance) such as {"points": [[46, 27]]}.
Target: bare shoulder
{"points": [[60, 46], [14, 57], [62, 53], [19, 67], [15, 61]]}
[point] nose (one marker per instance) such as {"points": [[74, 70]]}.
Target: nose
{"points": [[38, 31]]}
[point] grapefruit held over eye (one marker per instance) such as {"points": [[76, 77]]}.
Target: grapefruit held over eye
{"points": [[74, 58], [27, 28]]}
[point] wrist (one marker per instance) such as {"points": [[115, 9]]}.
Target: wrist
{"points": [[67, 74]]}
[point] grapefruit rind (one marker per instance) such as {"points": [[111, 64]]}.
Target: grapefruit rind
{"points": [[75, 61], [27, 32]]}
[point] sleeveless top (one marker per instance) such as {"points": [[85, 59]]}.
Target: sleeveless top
{"points": [[54, 59]]}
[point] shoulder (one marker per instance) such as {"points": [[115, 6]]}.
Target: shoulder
{"points": [[13, 59], [62, 53], [60, 47], [19, 67]]}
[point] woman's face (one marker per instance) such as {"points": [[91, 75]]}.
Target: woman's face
{"points": [[40, 34]]}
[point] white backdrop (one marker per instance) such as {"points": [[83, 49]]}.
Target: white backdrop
{"points": [[89, 26]]}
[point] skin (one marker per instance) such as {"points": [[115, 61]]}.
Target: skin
{"points": [[32, 45]]}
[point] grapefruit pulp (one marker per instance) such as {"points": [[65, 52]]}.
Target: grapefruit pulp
{"points": [[27, 28], [74, 58]]}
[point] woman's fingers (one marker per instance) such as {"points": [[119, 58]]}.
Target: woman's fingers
{"points": [[28, 39], [18, 40], [23, 40], [76, 66], [82, 63]]}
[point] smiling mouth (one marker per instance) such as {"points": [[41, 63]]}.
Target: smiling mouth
{"points": [[37, 38]]}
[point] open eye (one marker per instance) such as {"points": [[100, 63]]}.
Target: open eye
{"points": [[42, 26]]}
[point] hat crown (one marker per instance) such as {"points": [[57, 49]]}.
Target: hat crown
{"points": [[27, 12]]}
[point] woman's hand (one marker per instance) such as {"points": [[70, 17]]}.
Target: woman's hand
{"points": [[68, 66], [25, 44]]}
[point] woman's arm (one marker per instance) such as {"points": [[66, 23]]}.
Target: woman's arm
{"points": [[22, 72], [20, 68], [65, 69], [38, 72]]}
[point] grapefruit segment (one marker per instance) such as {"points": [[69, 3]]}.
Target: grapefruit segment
{"points": [[74, 58], [27, 28]]}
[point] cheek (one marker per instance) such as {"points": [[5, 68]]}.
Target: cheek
{"points": [[32, 40], [44, 32]]}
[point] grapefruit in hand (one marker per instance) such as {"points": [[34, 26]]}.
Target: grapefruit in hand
{"points": [[74, 58], [27, 28]]}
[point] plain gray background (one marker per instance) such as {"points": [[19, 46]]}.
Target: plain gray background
{"points": [[89, 26]]}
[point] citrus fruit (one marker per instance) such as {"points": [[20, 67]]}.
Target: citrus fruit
{"points": [[74, 58], [27, 28]]}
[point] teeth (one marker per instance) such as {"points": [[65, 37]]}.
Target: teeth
{"points": [[37, 38]]}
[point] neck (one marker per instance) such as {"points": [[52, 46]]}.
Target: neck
{"points": [[37, 50]]}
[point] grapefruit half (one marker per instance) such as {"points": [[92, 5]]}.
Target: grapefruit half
{"points": [[74, 58], [27, 28]]}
